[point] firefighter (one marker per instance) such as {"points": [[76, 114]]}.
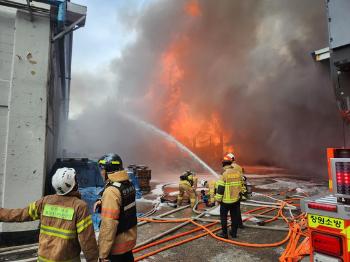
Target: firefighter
{"points": [[193, 177], [229, 161], [187, 185], [211, 186], [118, 230], [228, 191], [65, 223]]}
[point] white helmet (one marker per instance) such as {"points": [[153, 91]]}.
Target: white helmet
{"points": [[63, 181], [203, 182]]}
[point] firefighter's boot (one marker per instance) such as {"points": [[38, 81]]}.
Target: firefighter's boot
{"points": [[222, 235]]}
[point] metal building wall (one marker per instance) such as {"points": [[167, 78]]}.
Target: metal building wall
{"points": [[7, 32], [25, 143], [34, 98]]}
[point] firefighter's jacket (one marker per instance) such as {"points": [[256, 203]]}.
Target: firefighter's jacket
{"points": [[230, 185], [65, 228], [211, 186], [110, 241], [234, 166], [194, 180], [185, 184]]}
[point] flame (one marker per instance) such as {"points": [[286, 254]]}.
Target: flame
{"points": [[200, 129], [192, 8]]}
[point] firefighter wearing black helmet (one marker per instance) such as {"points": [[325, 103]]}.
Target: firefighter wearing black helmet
{"points": [[118, 228], [187, 185]]}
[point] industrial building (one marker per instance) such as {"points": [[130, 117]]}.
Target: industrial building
{"points": [[35, 65]]}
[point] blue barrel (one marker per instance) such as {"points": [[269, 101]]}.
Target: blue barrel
{"points": [[135, 182]]}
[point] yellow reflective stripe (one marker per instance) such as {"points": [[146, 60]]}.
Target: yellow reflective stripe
{"points": [[220, 183], [233, 184], [33, 212], [58, 229], [83, 224], [57, 232], [114, 162], [42, 259], [82, 228], [83, 221], [226, 194]]}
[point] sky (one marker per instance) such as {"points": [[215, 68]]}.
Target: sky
{"points": [[105, 34], [103, 38]]}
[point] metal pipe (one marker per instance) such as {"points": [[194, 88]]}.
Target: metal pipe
{"points": [[5, 249], [68, 29], [171, 230], [14, 251], [165, 214]]}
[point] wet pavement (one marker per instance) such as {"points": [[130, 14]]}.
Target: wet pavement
{"points": [[207, 248]]}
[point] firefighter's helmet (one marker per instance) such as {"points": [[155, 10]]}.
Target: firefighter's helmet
{"points": [[203, 182], [63, 181], [229, 158], [111, 163]]}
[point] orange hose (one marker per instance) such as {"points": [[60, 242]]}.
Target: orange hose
{"points": [[255, 209], [163, 221], [246, 244], [171, 238], [293, 235], [174, 245]]}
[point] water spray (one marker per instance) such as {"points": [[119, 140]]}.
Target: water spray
{"points": [[171, 139]]}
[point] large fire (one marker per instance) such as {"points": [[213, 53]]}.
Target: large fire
{"points": [[199, 129], [192, 8]]}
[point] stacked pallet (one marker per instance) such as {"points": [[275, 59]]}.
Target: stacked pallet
{"points": [[143, 175]]}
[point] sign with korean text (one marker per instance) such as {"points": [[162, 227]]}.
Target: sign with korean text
{"points": [[315, 220], [65, 213]]}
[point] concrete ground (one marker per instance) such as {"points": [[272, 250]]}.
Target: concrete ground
{"points": [[207, 248], [210, 249]]}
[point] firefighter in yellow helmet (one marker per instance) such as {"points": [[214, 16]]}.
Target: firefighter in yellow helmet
{"points": [[118, 230], [229, 188], [65, 223], [187, 185]]}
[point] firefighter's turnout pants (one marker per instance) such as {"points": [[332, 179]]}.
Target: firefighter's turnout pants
{"points": [[234, 213]]}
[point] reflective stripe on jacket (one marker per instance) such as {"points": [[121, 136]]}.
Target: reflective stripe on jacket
{"points": [[111, 243], [229, 186], [65, 228]]}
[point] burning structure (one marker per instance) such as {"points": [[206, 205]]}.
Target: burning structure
{"points": [[216, 76]]}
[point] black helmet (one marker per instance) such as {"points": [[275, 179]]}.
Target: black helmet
{"points": [[111, 163], [188, 172]]}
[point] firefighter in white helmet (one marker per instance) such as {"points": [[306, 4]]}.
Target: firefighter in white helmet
{"points": [[65, 223], [211, 186], [229, 189]]}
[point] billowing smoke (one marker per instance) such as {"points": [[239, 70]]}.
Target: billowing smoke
{"points": [[238, 68]]}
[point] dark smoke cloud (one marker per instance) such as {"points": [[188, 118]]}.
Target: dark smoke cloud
{"points": [[248, 60]]}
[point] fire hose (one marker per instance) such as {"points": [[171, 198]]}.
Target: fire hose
{"points": [[293, 233]]}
